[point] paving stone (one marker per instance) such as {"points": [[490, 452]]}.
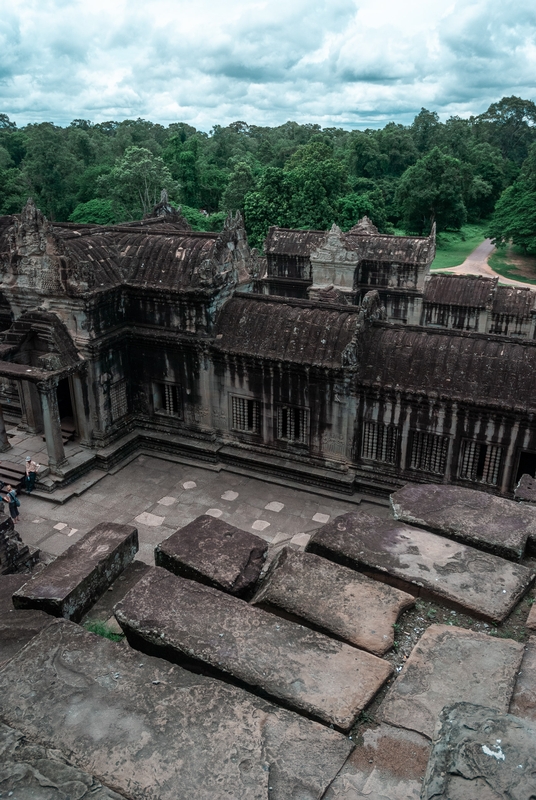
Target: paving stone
{"points": [[30, 771], [214, 512], [167, 501], [301, 539], [321, 518], [189, 485], [483, 520], [151, 520], [389, 764], [481, 754], [303, 669], [531, 619], [229, 495], [450, 665], [60, 526], [16, 627], [274, 506], [334, 599], [523, 702], [77, 578], [424, 563], [154, 731], [260, 525], [213, 552]]}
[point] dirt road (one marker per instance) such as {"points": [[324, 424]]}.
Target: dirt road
{"points": [[476, 263]]}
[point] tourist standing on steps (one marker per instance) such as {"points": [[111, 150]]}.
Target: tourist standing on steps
{"points": [[13, 501], [32, 468]]}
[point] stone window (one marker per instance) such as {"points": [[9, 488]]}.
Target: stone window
{"points": [[167, 399], [293, 424], [118, 400], [246, 415], [429, 452], [379, 442], [480, 462], [509, 325]]}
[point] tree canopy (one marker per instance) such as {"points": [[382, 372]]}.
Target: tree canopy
{"points": [[293, 175]]}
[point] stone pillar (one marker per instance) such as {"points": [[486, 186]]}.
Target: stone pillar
{"points": [[4, 442], [52, 424], [81, 410], [31, 407]]}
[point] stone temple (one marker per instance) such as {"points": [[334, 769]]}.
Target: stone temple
{"points": [[223, 431], [337, 360]]}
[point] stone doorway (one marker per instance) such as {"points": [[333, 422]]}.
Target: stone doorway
{"points": [[66, 410], [526, 465]]}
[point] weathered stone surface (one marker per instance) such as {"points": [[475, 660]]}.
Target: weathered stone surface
{"points": [[153, 731], [103, 609], [389, 764], [15, 556], [303, 669], [213, 552], [334, 599], [75, 580], [491, 523], [531, 619], [451, 665], [424, 563], [480, 753], [526, 489], [31, 771], [524, 698], [16, 627]]}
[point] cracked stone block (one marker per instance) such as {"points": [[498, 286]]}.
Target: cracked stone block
{"points": [[214, 552], [197, 625], [31, 771], [451, 665], [524, 698], [68, 586], [388, 764], [424, 563], [153, 731], [482, 520], [17, 627], [481, 753], [334, 599]]}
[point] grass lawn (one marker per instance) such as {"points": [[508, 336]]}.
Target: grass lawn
{"points": [[453, 248], [511, 262]]}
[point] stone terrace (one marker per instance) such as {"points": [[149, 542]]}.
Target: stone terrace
{"points": [[148, 729]]}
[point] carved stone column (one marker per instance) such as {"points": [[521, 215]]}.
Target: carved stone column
{"points": [[51, 423], [31, 407], [4, 442]]}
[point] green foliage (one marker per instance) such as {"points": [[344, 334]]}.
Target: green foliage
{"points": [[352, 207], [102, 629], [514, 218], [97, 212], [453, 247], [241, 181], [136, 181], [432, 191]]}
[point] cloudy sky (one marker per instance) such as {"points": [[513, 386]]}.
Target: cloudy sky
{"points": [[349, 63]]}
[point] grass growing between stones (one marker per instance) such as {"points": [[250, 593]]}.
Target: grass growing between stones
{"points": [[102, 629], [453, 247]]}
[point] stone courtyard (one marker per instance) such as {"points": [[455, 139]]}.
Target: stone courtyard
{"points": [[365, 652]]}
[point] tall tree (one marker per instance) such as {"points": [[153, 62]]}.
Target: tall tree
{"points": [[514, 218], [136, 181]]}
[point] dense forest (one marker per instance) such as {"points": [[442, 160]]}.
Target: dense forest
{"points": [[299, 176]]}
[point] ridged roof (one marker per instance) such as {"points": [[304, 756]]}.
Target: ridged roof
{"points": [[295, 331], [286, 241], [470, 367], [513, 300], [472, 291]]}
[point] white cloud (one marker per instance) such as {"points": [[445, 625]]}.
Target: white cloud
{"points": [[342, 62]]}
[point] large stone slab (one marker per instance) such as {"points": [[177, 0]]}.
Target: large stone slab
{"points": [[333, 599], [481, 754], [69, 585], [16, 627], [523, 703], [215, 553], [476, 518], [424, 563], [388, 764], [153, 731], [197, 625], [30, 771], [451, 665]]}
